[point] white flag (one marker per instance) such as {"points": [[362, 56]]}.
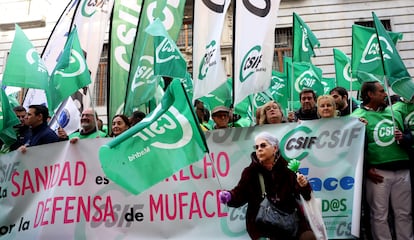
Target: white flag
{"points": [[253, 46], [208, 71]]}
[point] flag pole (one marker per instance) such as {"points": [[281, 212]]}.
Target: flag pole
{"points": [[385, 76]]}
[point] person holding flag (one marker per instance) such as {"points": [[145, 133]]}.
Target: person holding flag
{"points": [[387, 165]]}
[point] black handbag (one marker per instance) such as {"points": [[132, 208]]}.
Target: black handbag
{"points": [[270, 215]]}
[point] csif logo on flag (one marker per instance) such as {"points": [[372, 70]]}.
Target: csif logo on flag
{"points": [[170, 131], [384, 133], [165, 52], [144, 71], [278, 83], [31, 54], [346, 72], [305, 80], [74, 69], [208, 60], [371, 52], [90, 7], [304, 38], [251, 63]]}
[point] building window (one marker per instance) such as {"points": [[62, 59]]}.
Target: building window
{"points": [[283, 47], [386, 23], [185, 37], [100, 86]]}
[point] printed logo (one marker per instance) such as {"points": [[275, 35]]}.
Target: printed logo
{"points": [[278, 84], [32, 58], [305, 80], [371, 52], [165, 52], [409, 121], [208, 60], [384, 133], [89, 7], [251, 62], [172, 123], [304, 39], [64, 118], [75, 57], [143, 73]]}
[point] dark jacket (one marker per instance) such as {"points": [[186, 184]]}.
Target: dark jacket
{"points": [[281, 185], [347, 110], [306, 115], [42, 134]]}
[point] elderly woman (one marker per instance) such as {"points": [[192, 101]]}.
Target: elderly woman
{"points": [[326, 106], [271, 113], [282, 187]]}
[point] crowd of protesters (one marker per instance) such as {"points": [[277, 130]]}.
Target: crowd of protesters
{"points": [[388, 180]]}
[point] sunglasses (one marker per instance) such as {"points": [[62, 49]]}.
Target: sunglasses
{"points": [[261, 145]]}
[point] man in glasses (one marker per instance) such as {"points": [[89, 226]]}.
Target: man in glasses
{"points": [[88, 127]]}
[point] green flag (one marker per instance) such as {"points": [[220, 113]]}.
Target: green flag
{"points": [[328, 85], [366, 60], [303, 40], [8, 119], [220, 96], [70, 74], [168, 59], [343, 71], [306, 75], [394, 69], [279, 89], [142, 83], [161, 144], [24, 67]]}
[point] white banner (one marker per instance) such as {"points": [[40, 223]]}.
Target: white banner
{"points": [[208, 71], [254, 46], [59, 191]]}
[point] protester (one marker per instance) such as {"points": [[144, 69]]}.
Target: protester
{"points": [[136, 117], [344, 105], [386, 165], [36, 119], [120, 124], [221, 117], [406, 109], [88, 128], [22, 130], [326, 106], [270, 113], [282, 187], [308, 110], [203, 115]]}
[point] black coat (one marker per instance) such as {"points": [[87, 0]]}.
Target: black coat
{"points": [[281, 186]]}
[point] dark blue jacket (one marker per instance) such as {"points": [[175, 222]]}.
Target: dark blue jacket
{"points": [[42, 134]]}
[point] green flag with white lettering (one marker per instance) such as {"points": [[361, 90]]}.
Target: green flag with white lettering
{"points": [[142, 83], [343, 71], [168, 59], [394, 69], [366, 59], [304, 41], [70, 74], [24, 67], [161, 144]]}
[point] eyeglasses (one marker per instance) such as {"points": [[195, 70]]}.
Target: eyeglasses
{"points": [[261, 145]]}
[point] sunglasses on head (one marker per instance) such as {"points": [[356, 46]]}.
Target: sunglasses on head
{"points": [[261, 145]]}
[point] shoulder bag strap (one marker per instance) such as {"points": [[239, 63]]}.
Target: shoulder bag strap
{"points": [[262, 186]]}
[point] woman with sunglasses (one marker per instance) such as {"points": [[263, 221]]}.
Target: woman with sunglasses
{"points": [[282, 187]]}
